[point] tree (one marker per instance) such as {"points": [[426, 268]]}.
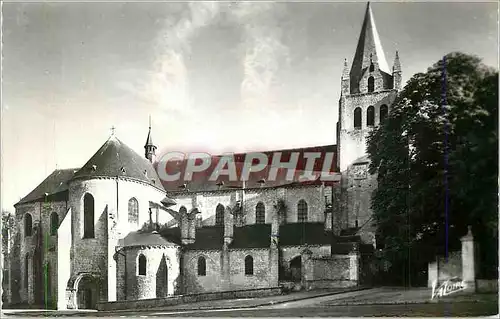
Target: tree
{"points": [[7, 224], [436, 158]]}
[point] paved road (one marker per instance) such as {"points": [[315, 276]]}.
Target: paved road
{"points": [[392, 302], [398, 310]]}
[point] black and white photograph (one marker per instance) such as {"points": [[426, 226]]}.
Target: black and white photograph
{"points": [[249, 158]]}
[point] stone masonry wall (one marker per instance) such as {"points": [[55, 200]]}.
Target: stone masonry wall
{"points": [[358, 187], [290, 252], [25, 245], [329, 272], [261, 272], [352, 142], [145, 286], [111, 199], [207, 202], [213, 279]]}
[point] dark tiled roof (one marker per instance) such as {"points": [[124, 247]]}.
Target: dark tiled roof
{"points": [[347, 239], [114, 158], [200, 180], [258, 236], [144, 239], [171, 234], [341, 248], [349, 231], [212, 237], [304, 233], [55, 185], [208, 237], [252, 236]]}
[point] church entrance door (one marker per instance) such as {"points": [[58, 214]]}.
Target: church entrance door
{"points": [[296, 269], [88, 293], [162, 279]]}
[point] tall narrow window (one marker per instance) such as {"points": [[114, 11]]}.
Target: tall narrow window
{"points": [[248, 265], [260, 213], [371, 84], [302, 211], [357, 118], [26, 270], [202, 266], [142, 265], [384, 110], [28, 225], [370, 116], [219, 215], [372, 67], [88, 216], [133, 211], [54, 223]]}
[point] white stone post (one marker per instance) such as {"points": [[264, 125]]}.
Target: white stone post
{"points": [[354, 265], [468, 261], [432, 273], [306, 268]]}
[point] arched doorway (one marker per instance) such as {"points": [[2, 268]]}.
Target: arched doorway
{"points": [[162, 279], [87, 290], [296, 269]]}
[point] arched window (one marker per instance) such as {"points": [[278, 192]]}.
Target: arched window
{"points": [[302, 211], [219, 215], [26, 270], [384, 110], [142, 265], [54, 223], [372, 67], [370, 116], [371, 84], [357, 117], [133, 211], [248, 265], [28, 225], [260, 213], [88, 216], [202, 266]]}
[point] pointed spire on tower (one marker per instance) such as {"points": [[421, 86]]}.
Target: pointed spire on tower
{"points": [[149, 147], [149, 140], [397, 65], [368, 50]]}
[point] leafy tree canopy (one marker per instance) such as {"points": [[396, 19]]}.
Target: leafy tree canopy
{"points": [[436, 156]]}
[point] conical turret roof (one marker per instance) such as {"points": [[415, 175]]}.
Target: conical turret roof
{"points": [[149, 139], [114, 158]]}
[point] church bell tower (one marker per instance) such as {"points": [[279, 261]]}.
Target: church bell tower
{"points": [[367, 91]]}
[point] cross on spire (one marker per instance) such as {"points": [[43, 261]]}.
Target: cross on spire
{"points": [[112, 130]]}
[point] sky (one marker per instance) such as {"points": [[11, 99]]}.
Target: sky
{"points": [[213, 76]]}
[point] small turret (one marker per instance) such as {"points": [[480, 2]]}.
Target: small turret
{"points": [[396, 72], [149, 147], [345, 79]]}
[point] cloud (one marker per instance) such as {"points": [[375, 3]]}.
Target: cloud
{"points": [[265, 53], [168, 85]]}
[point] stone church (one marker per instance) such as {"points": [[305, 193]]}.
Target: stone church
{"points": [[112, 230]]}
